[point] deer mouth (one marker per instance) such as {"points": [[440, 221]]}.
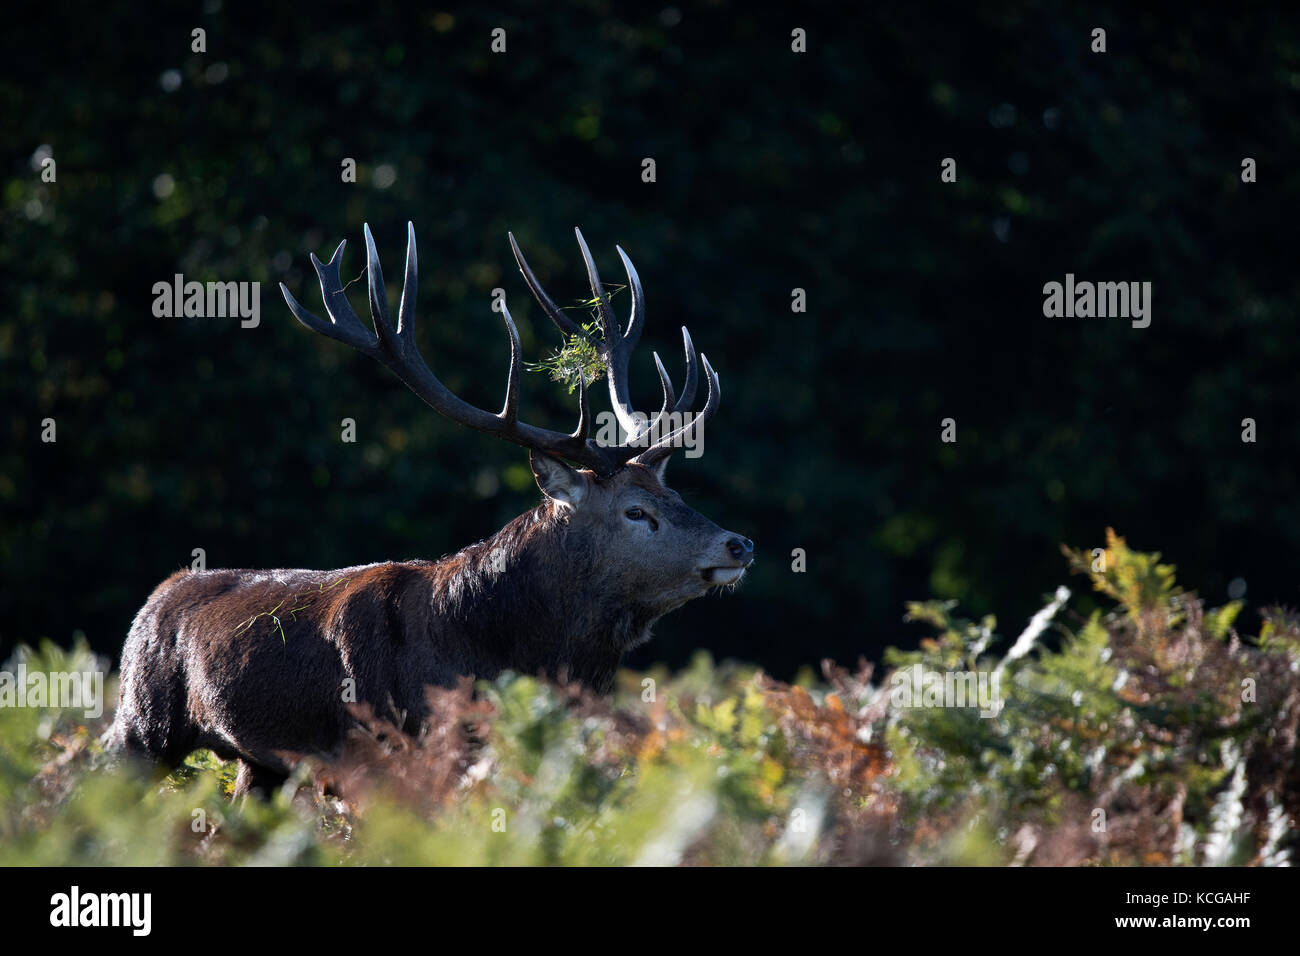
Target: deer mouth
{"points": [[722, 576]]}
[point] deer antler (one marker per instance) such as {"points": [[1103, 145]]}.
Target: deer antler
{"points": [[397, 349], [616, 350]]}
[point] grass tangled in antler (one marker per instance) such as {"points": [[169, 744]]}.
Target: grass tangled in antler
{"points": [[579, 359]]}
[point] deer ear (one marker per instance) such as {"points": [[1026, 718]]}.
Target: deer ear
{"points": [[557, 480]]}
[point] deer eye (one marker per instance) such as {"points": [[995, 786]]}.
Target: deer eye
{"points": [[640, 514]]}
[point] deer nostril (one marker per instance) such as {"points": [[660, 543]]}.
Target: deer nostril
{"points": [[739, 547]]}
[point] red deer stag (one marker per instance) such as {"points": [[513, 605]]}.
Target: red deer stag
{"points": [[261, 665]]}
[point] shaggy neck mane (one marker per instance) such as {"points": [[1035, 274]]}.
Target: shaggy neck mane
{"points": [[531, 597]]}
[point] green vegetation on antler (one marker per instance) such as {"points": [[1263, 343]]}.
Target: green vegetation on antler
{"points": [[579, 359]]}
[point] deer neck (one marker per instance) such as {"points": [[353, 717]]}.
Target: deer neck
{"points": [[564, 612]]}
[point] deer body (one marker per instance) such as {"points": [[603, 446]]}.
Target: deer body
{"points": [[260, 666]]}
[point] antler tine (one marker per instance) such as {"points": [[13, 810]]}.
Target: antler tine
{"points": [[584, 414], [636, 320], [688, 390], [669, 394], [682, 404], [608, 323], [510, 411], [378, 297], [344, 325], [562, 321], [664, 448], [410, 285]]}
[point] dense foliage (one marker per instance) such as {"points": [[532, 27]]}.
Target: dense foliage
{"points": [[1154, 735], [775, 171]]}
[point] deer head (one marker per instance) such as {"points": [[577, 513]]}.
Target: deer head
{"points": [[637, 537]]}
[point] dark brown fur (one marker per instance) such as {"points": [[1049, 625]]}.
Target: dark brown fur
{"points": [[256, 665]]}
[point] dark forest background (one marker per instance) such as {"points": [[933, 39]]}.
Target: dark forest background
{"points": [[775, 170]]}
